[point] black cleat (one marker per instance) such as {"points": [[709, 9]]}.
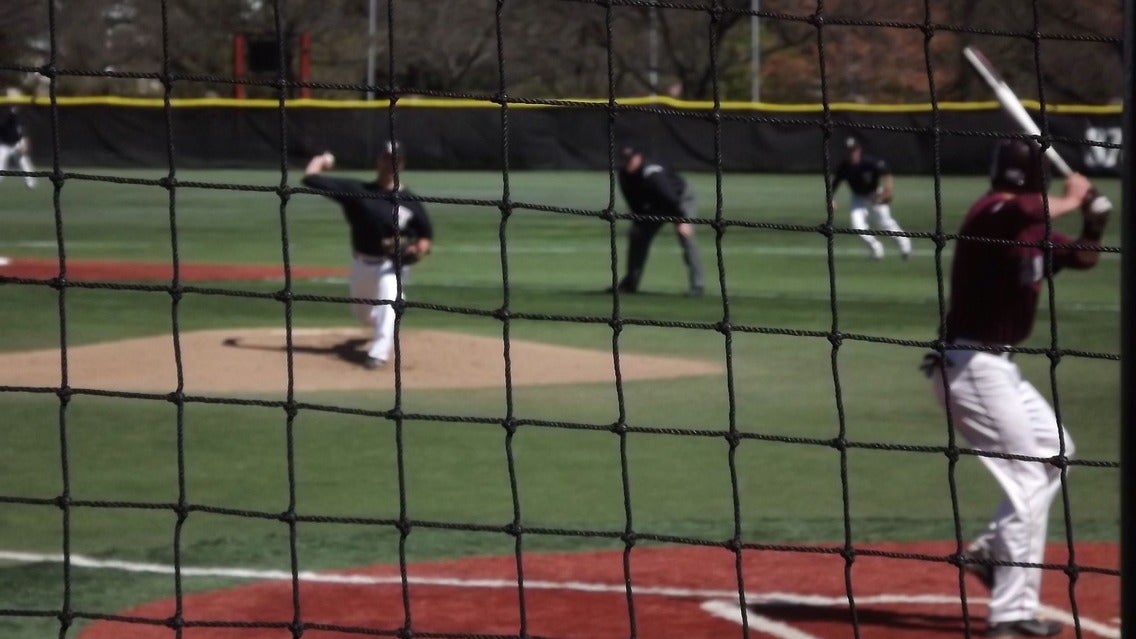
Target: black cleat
{"points": [[1024, 628], [373, 363], [977, 561], [622, 288]]}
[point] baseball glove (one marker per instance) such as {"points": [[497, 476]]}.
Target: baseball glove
{"points": [[402, 247]]}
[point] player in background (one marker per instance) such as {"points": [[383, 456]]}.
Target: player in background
{"points": [[388, 227], [994, 298], [14, 142], [653, 189], [872, 185]]}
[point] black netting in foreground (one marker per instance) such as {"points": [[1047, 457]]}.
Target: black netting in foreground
{"points": [[824, 23]]}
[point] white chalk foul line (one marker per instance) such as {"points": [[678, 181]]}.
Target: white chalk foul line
{"points": [[727, 609]]}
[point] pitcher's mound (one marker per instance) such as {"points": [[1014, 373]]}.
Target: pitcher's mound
{"points": [[255, 360]]}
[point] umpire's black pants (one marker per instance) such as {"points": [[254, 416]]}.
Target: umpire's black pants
{"points": [[639, 245]]}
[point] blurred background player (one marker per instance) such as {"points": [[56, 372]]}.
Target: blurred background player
{"points": [[994, 296], [14, 142], [871, 182], [653, 189], [384, 234]]}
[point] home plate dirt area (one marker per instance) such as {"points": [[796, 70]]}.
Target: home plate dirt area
{"points": [[684, 593]]}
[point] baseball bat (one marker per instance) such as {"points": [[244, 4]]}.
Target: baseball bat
{"points": [[1012, 104]]}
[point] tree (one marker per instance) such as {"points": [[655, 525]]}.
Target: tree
{"points": [[873, 50], [20, 22]]}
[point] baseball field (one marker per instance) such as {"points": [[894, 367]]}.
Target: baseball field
{"points": [[352, 452]]}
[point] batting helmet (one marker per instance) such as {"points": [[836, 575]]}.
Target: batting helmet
{"points": [[1018, 166]]}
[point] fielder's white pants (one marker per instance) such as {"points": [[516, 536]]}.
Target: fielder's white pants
{"points": [[13, 153], [863, 208], [375, 280], [998, 411]]}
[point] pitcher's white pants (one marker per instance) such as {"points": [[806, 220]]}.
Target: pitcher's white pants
{"points": [[997, 411], [375, 279], [9, 152], [863, 208]]}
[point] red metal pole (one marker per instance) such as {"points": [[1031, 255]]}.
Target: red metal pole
{"points": [[305, 63], [240, 65]]}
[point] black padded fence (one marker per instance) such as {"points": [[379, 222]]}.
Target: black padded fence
{"points": [[464, 134], [509, 136]]}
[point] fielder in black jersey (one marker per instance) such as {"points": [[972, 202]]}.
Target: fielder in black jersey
{"points": [[653, 189], [871, 182], [14, 143], [389, 229]]}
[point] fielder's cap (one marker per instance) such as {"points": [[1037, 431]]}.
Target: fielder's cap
{"points": [[628, 149]]}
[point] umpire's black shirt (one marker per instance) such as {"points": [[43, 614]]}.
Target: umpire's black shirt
{"points": [[370, 212], [653, 189]]}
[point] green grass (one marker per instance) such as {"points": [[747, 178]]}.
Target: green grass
{"points": [[124, 451]]}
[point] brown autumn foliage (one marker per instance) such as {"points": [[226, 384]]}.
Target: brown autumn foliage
{"points": [[873, 50]]}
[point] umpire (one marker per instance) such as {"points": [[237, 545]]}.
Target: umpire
{"points": [[654, 191]]}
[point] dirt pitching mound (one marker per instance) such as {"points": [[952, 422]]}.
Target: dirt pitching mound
{"points": [[255, 360]]}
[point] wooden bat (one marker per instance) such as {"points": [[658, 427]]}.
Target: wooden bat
{"points": [[1012, 104]]}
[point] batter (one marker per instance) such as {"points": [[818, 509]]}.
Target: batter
{"points": [[994, 297]]}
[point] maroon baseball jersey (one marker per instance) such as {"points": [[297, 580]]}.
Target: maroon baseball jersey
{"points": [[995, 286]]}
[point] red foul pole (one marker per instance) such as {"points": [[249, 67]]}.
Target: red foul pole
{"points": [[305, 64], [240, 65]]}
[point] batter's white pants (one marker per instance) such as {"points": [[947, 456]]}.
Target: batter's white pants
{"points": [[13, 153], [997, 411], [375, 280], [863, 208]]}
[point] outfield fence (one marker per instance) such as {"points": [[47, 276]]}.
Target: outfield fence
{"points": [[463, 134]]}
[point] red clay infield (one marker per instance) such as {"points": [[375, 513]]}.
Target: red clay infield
{"points": [[688, 593], [111, 271]]}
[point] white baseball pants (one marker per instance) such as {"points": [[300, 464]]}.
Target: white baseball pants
{"points": [[997, 411], [863, 208], [375, 279], [10, 152]]}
